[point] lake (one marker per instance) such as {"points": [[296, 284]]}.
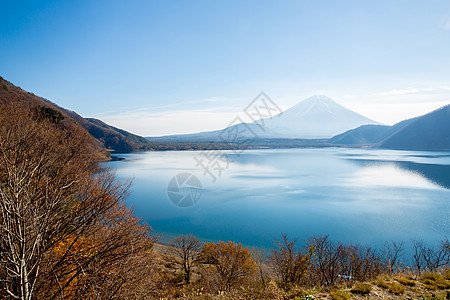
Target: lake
{"points": [[362, 196]]}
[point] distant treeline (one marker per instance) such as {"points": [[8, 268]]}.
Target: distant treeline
{"points": [[239, 145]]}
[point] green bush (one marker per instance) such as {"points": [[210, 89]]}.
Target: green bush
{"points": [[361, 288]]}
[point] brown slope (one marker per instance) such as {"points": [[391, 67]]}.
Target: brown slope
{"points": [[106, 136]]}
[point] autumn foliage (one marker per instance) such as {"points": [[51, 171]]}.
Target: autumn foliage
{"points": [[64, 229], [232, 261]]}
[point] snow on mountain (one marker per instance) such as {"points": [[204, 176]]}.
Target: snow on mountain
{"points": [[316, 117]]}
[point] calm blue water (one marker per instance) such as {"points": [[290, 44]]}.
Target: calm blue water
{"points": [[354, 195]]}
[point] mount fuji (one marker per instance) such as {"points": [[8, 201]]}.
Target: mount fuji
{"points": [[317, 117]]}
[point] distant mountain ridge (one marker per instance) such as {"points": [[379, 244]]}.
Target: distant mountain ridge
{"points": [[316, 117], [427, 132], [319, 114], [107, 136]]}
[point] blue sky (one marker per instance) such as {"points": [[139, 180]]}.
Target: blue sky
{"points": [[161, 67]]}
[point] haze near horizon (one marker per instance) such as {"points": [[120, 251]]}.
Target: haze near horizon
{"points": [[158, 68]]}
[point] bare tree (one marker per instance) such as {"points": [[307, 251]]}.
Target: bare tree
{"points": [[437, 257], [185, 250], [429, 257], [364, 261], [61, 219], [325, 258], [289, 262], [418, 248], [392, 254], [260, 259]]}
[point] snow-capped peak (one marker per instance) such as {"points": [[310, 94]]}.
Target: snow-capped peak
{"points": [[316, 104], [317, 116]]}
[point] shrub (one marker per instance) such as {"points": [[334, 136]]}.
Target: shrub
{"points": [[396, 288], [361, 288], [339, 295], [233, 262]]}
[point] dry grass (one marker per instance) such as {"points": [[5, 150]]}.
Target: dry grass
{"points": [[340, 295], [381, 283], [396, 288], [405, 281], [361, 288], [435, 280]]}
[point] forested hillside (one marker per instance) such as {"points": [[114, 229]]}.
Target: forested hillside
{"points": [[107, 136], [65, 231]]}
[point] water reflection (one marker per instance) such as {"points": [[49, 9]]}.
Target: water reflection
{"points": [[436, 174], [357, 195]]}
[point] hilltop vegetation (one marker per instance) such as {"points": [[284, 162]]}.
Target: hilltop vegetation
{"points": [[106, 136]]}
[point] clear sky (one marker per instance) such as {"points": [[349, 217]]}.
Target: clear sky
{"points": [[178, 66]]}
